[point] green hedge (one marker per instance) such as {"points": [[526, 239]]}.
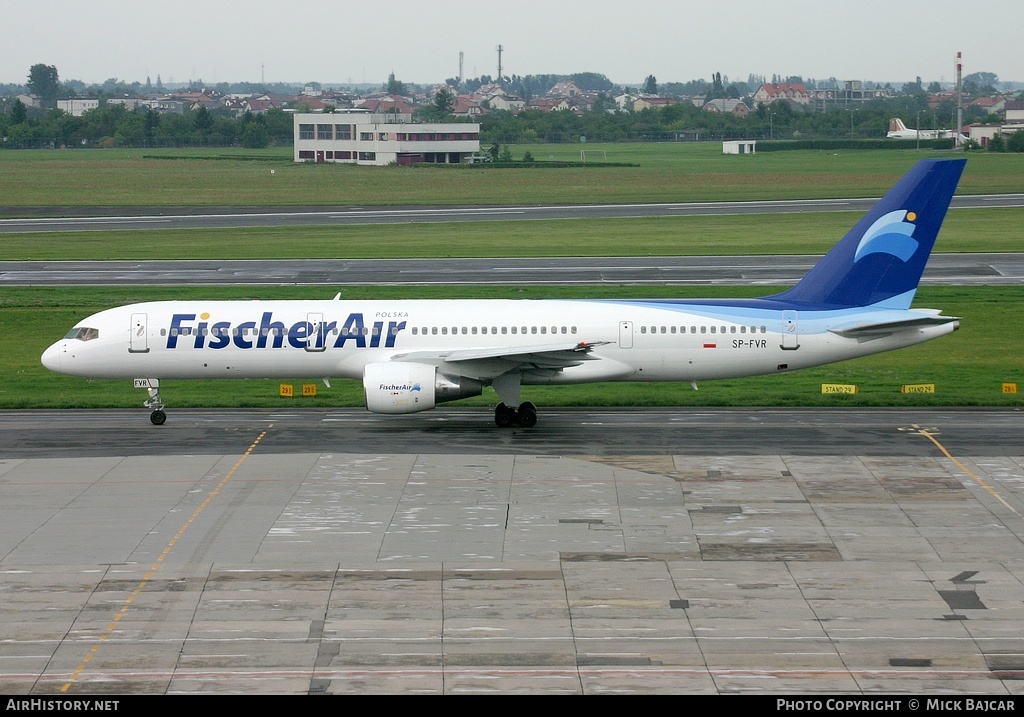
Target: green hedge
{"points": [[899, 144]]}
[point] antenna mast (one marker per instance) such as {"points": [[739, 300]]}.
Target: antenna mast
{"points": [[959, 102], [500, 50]]}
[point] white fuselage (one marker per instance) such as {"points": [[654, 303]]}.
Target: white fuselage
{"points": [[630, 340]]}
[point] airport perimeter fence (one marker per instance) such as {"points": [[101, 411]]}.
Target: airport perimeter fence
{"points": [[109, 143]]}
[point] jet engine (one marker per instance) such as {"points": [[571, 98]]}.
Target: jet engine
{"points": [[401, 387]]}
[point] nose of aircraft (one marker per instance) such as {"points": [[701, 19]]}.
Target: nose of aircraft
{"points": [[51, 357]]}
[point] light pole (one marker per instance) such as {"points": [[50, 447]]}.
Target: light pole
{"points": [[919, 130]]}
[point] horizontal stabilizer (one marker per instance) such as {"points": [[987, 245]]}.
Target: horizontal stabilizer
{"points": [[867, 331]]}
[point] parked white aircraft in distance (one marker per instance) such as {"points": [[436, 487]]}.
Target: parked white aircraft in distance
{"points": [[413, 355], [898, 130]]}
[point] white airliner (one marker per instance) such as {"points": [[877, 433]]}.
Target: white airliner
{"points": [[413, 355], [898, 130]]}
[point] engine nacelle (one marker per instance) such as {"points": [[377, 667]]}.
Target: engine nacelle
{"points": [[401, 387]]}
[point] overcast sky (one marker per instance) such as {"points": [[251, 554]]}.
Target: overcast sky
{"points": [[343, 41]]}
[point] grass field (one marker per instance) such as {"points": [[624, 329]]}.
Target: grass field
{"points": [[965, 230], [968, 367], [667, 172]]}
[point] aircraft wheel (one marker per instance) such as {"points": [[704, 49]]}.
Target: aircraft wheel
{"points": [[158, 418], [526, 416], [504, 416]]}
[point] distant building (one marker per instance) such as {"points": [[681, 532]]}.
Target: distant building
{"points": [[379, 139], [646, 103], [30, 101], [990, 105], [852, 92], [625, 101], [564, 89], [745, 146], [727, 107], [129, 103], [1014, 111], [78, 105], [982, 133], [386, 105], [772, 91], [510, 103], [465, 107], [549, 104]]}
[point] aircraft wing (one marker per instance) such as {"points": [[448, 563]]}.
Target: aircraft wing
{"points": [[866, 331], [498, 360]]}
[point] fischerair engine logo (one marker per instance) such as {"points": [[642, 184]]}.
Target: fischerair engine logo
{"points": [[891, 234]]}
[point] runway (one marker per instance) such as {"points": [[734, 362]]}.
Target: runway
{"points": [[69, 219], [989, 269], [782, 552]]}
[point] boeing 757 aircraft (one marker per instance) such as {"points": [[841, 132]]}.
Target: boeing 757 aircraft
{"points": [[413, 355]]}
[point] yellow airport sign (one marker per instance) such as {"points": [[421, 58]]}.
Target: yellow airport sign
{"points": [[838, 388], [1009, 388], [309, 389], [917, 388], [286, 390]]}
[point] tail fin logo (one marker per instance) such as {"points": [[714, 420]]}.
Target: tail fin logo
{"points": [[891, 234]]}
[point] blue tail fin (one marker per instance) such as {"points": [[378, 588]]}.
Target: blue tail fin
{"points": [[880, 260]]}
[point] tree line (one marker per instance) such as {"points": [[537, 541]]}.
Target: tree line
{"points": [[114, 125]]}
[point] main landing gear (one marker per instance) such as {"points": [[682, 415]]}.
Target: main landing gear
{"points": [[524, 416]]}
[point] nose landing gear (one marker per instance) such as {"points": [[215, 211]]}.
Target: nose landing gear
{"points": [[152, 385]]}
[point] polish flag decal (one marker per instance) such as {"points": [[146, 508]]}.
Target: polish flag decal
{"points": [[711, 346]]}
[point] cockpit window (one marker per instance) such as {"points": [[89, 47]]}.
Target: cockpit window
{"points": [[83, 333]]}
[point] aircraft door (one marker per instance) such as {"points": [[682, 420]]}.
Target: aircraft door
{"points": [[316, 340], [790, 332], [138, 337], [625, 334]]}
